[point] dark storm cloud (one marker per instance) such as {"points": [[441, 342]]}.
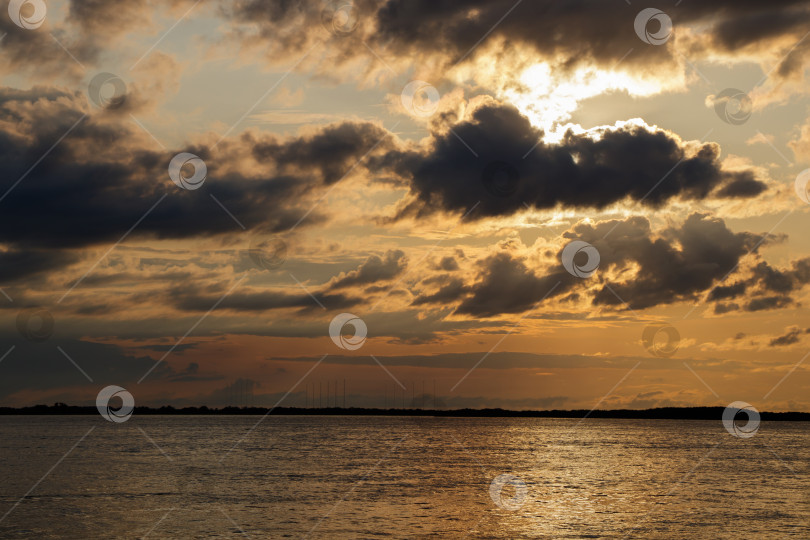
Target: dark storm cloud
{"points": [[589, 30], [373, 270], [792, 336], [24, 50], [763, 303], [450, 289], [754, 22], [725, 292], [18, 264], [507, 285], [448, 264], [438, 35], [627, 163], [98, 182], [773, 279], [679, 264], [290, 27], [332, 151], [721, 308], [743, 185], [504, 284], [764, 288], [676, 264], [427, 31], [90, 29]]}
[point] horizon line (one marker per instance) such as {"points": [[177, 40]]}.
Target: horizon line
{"points": [[656, 413]]}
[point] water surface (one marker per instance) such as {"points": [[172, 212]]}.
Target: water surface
{"points": [[395, 477]]}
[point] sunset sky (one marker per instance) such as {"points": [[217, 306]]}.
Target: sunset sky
{"points": [[421, 165]]}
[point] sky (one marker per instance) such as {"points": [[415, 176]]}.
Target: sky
{"points": [[527, 205]]}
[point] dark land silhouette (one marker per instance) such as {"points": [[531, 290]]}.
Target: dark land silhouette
{"points": [[663, 413]]}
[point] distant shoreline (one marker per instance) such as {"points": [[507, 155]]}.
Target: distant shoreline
{"points": [[664, 413]]}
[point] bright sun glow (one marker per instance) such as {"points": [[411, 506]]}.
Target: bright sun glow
{"points": [[548, 99]]}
